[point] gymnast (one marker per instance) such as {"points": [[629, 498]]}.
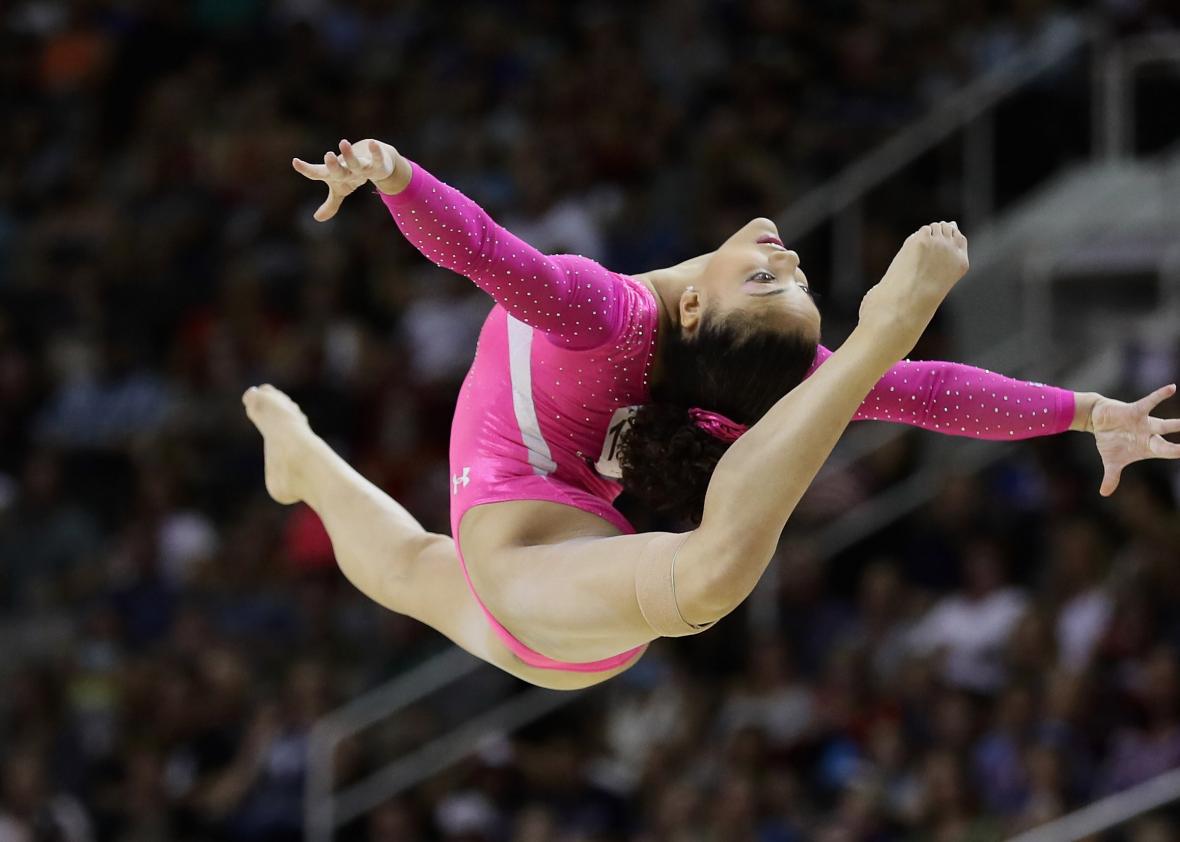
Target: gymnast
{"points": [[702, 388]]}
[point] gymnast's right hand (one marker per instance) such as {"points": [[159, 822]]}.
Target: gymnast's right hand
{"points": [[929, 264], [369, 160]]}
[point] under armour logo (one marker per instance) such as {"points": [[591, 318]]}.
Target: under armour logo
{"points": [[461, 480]]}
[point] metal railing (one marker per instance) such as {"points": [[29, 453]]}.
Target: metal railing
{"points": [[1109, 812], [324, 810], [841, 199]]}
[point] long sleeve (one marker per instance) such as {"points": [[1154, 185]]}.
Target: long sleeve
{"points": [[961, 400], [572, 299]]}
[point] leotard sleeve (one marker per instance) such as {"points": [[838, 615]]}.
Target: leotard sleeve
{"points": [[961, 400], [576, 302]]}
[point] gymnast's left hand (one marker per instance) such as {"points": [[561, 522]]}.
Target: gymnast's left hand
{"points": [[1127, 432], [369, 160]]}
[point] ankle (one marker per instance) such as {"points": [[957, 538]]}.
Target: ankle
{"points": [[315, 469]]}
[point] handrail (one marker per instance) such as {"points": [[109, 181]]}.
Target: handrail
{"points": [[320, 819], [443, 752], [1109, 812]]}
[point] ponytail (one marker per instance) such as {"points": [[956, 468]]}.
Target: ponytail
{"points": [[667, 457]]}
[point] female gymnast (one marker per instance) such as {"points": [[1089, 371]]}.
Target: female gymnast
{"points": [[702, 388]]}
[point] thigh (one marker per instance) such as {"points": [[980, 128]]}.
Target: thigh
{"points": [[569, 596], [441, 598]]}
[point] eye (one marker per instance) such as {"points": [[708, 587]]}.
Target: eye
{"points": [[762, 277]]}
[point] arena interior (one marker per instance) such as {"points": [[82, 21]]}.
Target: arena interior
{"points": [[958, 641]]}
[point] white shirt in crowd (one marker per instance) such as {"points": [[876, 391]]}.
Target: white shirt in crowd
{"points": [[1080, 624], [973, 633]]}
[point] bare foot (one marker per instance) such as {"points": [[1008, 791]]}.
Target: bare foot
{"points": [[287, 440]]}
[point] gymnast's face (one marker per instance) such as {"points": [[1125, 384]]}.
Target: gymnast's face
{"points": [[753, 275]]}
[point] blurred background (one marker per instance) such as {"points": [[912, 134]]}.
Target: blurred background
{"points": [[957, 641]]}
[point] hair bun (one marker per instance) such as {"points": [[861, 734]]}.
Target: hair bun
{"points": [[667, 460]]}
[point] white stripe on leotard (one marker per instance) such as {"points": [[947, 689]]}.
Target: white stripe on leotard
{"points": [[520, 367]]}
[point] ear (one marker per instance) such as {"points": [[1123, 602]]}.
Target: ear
{"points": [[690, 310]]}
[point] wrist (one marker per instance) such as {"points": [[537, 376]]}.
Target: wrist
{"points": [[1083, 410], [879, 348], [398, 178], [890, 339]]}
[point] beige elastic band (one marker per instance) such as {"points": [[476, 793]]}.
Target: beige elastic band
{"points": [[655, 588]]}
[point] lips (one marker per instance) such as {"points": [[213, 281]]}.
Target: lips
{"points": [[771, 239]]}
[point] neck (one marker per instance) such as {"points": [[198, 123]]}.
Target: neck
{"points": [[669, 285]]}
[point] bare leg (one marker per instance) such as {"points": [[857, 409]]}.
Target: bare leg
{"points": [[377, 542], [380, 546]]}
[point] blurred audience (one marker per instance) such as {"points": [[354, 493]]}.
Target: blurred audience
{"points": [[169, 636]]}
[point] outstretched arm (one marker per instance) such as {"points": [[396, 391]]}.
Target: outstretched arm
{"points": [[962, 400], [574, 300]]}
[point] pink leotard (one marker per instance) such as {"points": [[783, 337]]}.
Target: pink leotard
{"points": [[568, 349]]}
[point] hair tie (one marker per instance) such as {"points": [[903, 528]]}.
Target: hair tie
{"points": [[717, 425]]}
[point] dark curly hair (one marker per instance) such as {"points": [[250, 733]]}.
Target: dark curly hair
{"points": [[727, 367]]}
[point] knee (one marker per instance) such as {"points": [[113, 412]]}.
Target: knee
{"points": [[716, 572], [685, 583], [419, 556]]}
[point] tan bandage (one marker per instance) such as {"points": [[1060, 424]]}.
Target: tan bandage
{"points": [[655, 588]]}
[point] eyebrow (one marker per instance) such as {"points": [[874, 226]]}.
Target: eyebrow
{"points": [[778, 291]]}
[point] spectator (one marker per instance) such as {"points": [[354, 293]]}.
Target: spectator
{"points": [[770, 698], [1140, 753], [969, 629], [1077, 555], [29, 808]]}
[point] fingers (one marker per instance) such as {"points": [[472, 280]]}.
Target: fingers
{"points": [[949, 230], [250, 401], [350, 159], [1161, 448], [1163, 426], [328, 209], [315, 171], [255, 391], [334, 165], [346, 165], [375, 153], [1110, 480], [338, 172], [1157, 397]]}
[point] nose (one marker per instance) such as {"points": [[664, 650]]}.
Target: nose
{"points": [[786, 260]]}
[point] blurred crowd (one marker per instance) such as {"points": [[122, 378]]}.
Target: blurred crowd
{"points": [[168, 635]]}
